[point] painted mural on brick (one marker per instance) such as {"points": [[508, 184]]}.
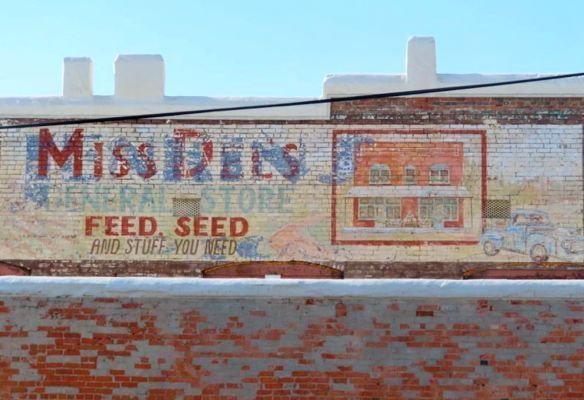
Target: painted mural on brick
{"points": [[313, 192], [409, 188]]}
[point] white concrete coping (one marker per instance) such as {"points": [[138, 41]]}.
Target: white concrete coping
{"points": [[421, 74], [360, 84], [111, 106], [139, 89], [289, 288]]}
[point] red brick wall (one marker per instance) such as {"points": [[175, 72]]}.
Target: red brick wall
{"points": [[210, 348], [461, 110], [399, 155], [525, 150]]}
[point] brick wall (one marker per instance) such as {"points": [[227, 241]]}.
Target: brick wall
{"points": [[106, 199], [161, 339], [463, 110]]}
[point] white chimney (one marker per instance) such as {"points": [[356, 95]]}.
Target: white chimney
{"points": [[139, 77], [77, 77], [421, 62]]}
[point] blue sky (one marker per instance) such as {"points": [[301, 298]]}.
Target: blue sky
{"points": [[281, 48]]}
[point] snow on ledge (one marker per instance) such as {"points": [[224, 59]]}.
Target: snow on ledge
{"points": [[421, 74], [338, 85], [288, 288], [112, 106], [139, 89]]}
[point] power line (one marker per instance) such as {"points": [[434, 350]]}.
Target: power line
{"points": [[289, 104]]}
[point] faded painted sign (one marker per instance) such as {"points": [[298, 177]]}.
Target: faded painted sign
{"points": [[304, 192]]}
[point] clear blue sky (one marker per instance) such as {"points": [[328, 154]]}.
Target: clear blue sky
{"points": [[278, 47]]}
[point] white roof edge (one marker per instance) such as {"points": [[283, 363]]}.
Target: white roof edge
{"points": [[338, 85], [421, 74], [288, 288], [106, 106], [139, 89]]}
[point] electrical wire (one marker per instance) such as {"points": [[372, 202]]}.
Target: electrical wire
{"points": [[136, 117]]}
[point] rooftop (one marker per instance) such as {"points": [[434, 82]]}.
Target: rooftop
{"points": [[139, 89]]}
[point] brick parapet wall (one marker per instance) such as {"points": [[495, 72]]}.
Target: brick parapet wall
{"points": [[524, 150], [419, 110], [462, 110], [212, 339]]}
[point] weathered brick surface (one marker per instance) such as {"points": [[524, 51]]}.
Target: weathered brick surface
{"points": [[462, 110], [83, 200], [306, 348]]}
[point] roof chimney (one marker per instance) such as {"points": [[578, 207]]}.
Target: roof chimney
{"points": [[139, 77], [421, 62], [77, 77]]}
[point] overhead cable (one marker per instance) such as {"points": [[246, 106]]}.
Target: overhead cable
{"points": [[404, 93]]}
